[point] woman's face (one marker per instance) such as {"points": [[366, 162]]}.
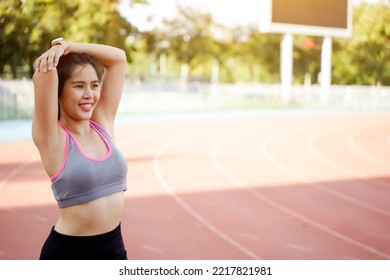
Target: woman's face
{"points": [[80, 94]]}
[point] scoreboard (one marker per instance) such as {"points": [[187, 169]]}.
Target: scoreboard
{"points": [[310, 17]]}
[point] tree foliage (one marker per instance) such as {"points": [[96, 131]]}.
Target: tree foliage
{"points": [[26, 27], [189, 36], [365, 58], [193, 38]]}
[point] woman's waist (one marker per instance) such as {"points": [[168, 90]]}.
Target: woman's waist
{"points": [[91, 218]]}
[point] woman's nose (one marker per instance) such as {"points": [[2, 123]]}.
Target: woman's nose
{"points": [[88, 93]]}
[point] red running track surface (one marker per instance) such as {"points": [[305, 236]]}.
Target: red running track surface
{"points": [[260, 186]]}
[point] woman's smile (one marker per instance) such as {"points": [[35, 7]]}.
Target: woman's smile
{"points": [[86, 106]]}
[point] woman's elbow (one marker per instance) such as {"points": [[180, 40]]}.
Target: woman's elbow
{"points": [[123, 56]]}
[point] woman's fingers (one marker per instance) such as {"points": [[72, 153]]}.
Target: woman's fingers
{"points": [[49, 60], [37, 63]]}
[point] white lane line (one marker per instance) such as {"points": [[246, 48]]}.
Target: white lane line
{"points": [[217, 163], [40, 218], [168, 188], [299, 247], [336, 165], [319, 186], [283, 208], [352, 144], [15, 172], [153, 249]]}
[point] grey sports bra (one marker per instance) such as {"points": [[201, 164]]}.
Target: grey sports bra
{"points": [[82, 178]]}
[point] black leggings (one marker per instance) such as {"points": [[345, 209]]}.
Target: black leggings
{"points": [[106, 246]]}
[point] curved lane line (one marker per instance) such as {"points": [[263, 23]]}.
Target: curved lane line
{"points": [[168, 188], [283, 208], [318, 186], [336, 165], [364, 154]]}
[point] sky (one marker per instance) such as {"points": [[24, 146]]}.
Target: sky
{"points": [[228, 15], [227, 12]]}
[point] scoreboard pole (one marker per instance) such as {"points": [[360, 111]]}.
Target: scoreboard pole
{"points": [[286, 66], [326, 67]]}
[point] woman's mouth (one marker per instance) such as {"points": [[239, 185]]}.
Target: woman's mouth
{"points": [[86, 106]]}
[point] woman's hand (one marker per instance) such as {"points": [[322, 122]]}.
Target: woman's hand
{"points": [[49, 60]]}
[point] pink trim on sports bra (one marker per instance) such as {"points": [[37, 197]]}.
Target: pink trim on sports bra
{"points": [[87, 156], [67, 133], [52, 178], [98, 125]]}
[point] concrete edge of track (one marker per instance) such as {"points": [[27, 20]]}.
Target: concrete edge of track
{"points": [[20, 130]]}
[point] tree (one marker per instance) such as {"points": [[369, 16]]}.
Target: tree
{"points": [[365, 58], [28, 26], [14, 29], [190, 36], [264, 49]]}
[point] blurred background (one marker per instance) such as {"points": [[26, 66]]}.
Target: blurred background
{"points": [[192, 56]]}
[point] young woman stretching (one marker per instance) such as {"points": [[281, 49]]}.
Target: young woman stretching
{"points": [[73, 129]]}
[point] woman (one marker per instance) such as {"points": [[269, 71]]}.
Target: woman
{"points": [[73, 129]]}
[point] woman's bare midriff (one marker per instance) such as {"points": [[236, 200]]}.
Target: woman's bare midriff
{"points": [[91, 218]]}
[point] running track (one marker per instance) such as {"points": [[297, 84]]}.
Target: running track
{"points": [[229, 186]]}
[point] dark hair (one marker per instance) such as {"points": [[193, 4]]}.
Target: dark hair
{"points": [[68, 63]]}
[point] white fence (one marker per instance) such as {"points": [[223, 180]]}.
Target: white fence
{"points": [[17, 98]]}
